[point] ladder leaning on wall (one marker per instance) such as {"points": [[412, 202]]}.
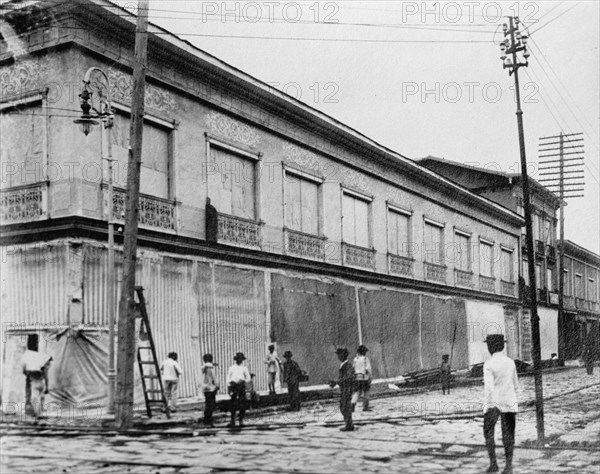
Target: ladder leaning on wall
{"points": [[152, 383]]}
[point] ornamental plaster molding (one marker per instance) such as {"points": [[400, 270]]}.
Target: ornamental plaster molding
{"points": [[231, 129], [302, 157], [23, 76], [155, 98]]}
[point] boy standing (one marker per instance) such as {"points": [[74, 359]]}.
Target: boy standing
{"points": [[445, 374], [171, 371], [237, 377], [291, 376], [346, 383], [500, 401], [273, 364], [210, 388], [362, 368]]}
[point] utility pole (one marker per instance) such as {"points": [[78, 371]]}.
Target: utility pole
{"points": [[126, 343], [514, 43], [558, 180]]}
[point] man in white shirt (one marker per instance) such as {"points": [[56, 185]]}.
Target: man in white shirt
{"points": [[500, 401], [237, 377], [362, 370], [171, 371]]}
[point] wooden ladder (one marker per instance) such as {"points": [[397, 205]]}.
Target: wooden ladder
{"points": [[152, 383]]}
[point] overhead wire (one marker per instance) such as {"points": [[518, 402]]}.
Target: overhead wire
{"points": [[555, 18]]}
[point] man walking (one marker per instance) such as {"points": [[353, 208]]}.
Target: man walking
{"points": [[500, 401], [171, 371], [362, 368], [291, 376], [237, 378], [346, 383]]}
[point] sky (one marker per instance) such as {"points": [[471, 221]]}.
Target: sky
{"points": [[422, 78]]}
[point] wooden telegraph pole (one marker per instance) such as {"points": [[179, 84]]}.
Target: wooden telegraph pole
{"points": [[515, 43], [566, 180], [126, 342]]}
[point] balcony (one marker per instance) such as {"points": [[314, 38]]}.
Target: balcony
{"points": [[463, 278], [540, 249], [239, 231], [300, 244], [154, 213], [569, 301], [361, 257], [399, 265], [508, 288], [434, 272], [551, 255], [487, 284], [24, 204]]}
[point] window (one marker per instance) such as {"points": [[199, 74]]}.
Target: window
{"points": [[156, 155], [568, 290], [301, 203], [486, 258], [549, 279], [235, 192], [507, 265], [578, 286], [539, 282], [462, 243], [355, 218], [434, 242], [22, 133], [591, 293], [399, 232]]}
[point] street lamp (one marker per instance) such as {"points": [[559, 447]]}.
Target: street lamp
{"points": [[95, 77]]}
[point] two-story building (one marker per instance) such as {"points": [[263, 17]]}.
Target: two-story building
{"points": [[506, 189], [581, 297], [321, 238]]}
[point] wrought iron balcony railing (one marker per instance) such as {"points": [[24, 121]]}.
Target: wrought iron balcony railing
{"points": [[487, 284], [239, 231], [569, 301], [356, 256], [399, 265], [463, 278], [154, 212], [508, 288], [304, 245], [434, 272], [24, 203]]}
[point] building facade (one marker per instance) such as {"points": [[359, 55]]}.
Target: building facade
{"points": [[581, 302], [261, 220], [506, 190]]}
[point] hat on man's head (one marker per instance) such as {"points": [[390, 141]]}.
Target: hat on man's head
{"points": [[287, 354], [342, 350], [362, 349], [495, 339], [239, 356]]}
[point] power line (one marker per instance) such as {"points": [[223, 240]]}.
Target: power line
{"points": [[566, 89], [555, 18]]}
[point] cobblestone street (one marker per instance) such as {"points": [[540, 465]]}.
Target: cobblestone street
{"points": [[425, 432]]}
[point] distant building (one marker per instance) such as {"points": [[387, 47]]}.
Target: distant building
{"points": [[324, 238], [581, 301], [506, 189]]}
